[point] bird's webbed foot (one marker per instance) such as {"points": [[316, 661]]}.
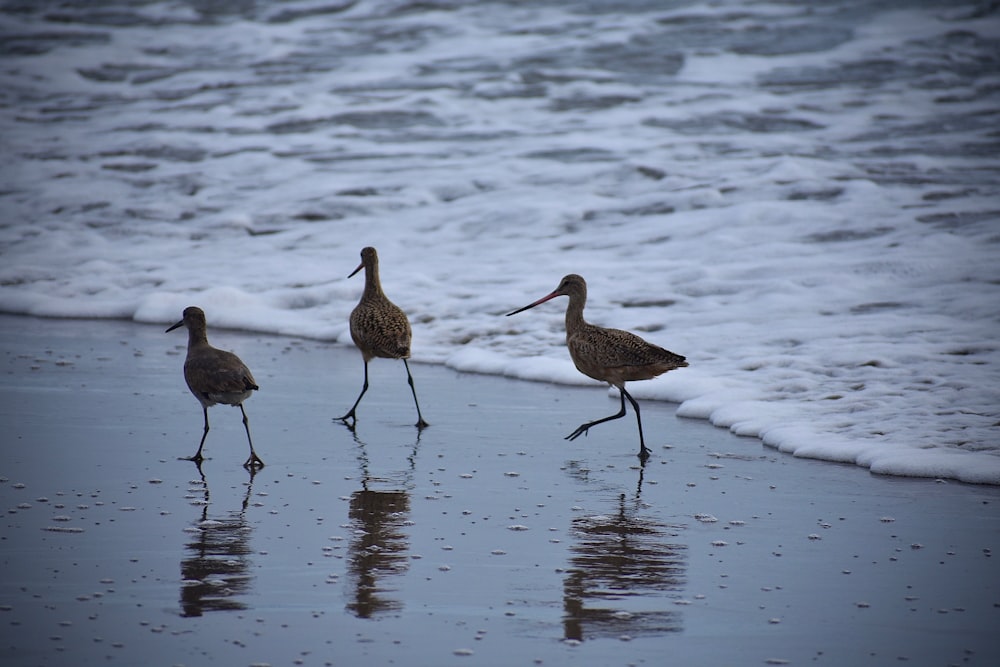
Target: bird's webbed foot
{"points": [[254, 462]]}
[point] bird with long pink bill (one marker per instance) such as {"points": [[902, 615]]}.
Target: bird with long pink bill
{"points": [[608, 355]]}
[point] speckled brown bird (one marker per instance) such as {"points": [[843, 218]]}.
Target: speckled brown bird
{"points": [[609, 355], [379, 329], [215, 376]]}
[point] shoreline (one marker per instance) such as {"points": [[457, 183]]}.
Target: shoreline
{"points": [[882, 459]]}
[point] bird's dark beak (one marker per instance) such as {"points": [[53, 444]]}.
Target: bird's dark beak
{"points": [[360, 266], [181, 323], [540, 301]]}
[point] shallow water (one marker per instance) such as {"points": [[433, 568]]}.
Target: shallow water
{"points": [[487, 539]]}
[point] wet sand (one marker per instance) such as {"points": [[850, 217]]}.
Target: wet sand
{"points": [[485, 539]]}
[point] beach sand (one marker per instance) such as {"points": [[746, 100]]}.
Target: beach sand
{"points": [[485, 539]]}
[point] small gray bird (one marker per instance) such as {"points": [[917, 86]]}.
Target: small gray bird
{"points": [[215, 376]]}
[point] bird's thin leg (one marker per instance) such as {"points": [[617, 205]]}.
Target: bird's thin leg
{"points": [[643, 451], [197, 457], [409, 379], [350, 413], [582, 428], [254, 460]]}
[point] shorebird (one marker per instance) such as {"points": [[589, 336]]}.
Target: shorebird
{"points": [[608, 355], [379, 329], [215, 376]]}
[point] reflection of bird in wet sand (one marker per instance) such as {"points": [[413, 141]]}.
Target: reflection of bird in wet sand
{"points": [[215, 572], [623, 570], [379, 329], [609, 355], [377, 549], [215, 376], [380, 539]]}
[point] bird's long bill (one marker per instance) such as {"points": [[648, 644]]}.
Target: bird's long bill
{"points": [[179, 324], [540, 301], [360, 266]]}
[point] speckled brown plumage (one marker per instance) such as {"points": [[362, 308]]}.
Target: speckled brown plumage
{"points": [[380, 329], [608, 355], [215, 376]]}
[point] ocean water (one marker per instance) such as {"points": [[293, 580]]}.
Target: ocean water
{"points": [[800, 197]]}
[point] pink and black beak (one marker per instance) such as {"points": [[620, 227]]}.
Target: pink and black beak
{"points": [[539, 302]]}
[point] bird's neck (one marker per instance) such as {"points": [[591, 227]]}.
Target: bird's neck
{"points": [[373, 288], [574, 316], [197, 338]]}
